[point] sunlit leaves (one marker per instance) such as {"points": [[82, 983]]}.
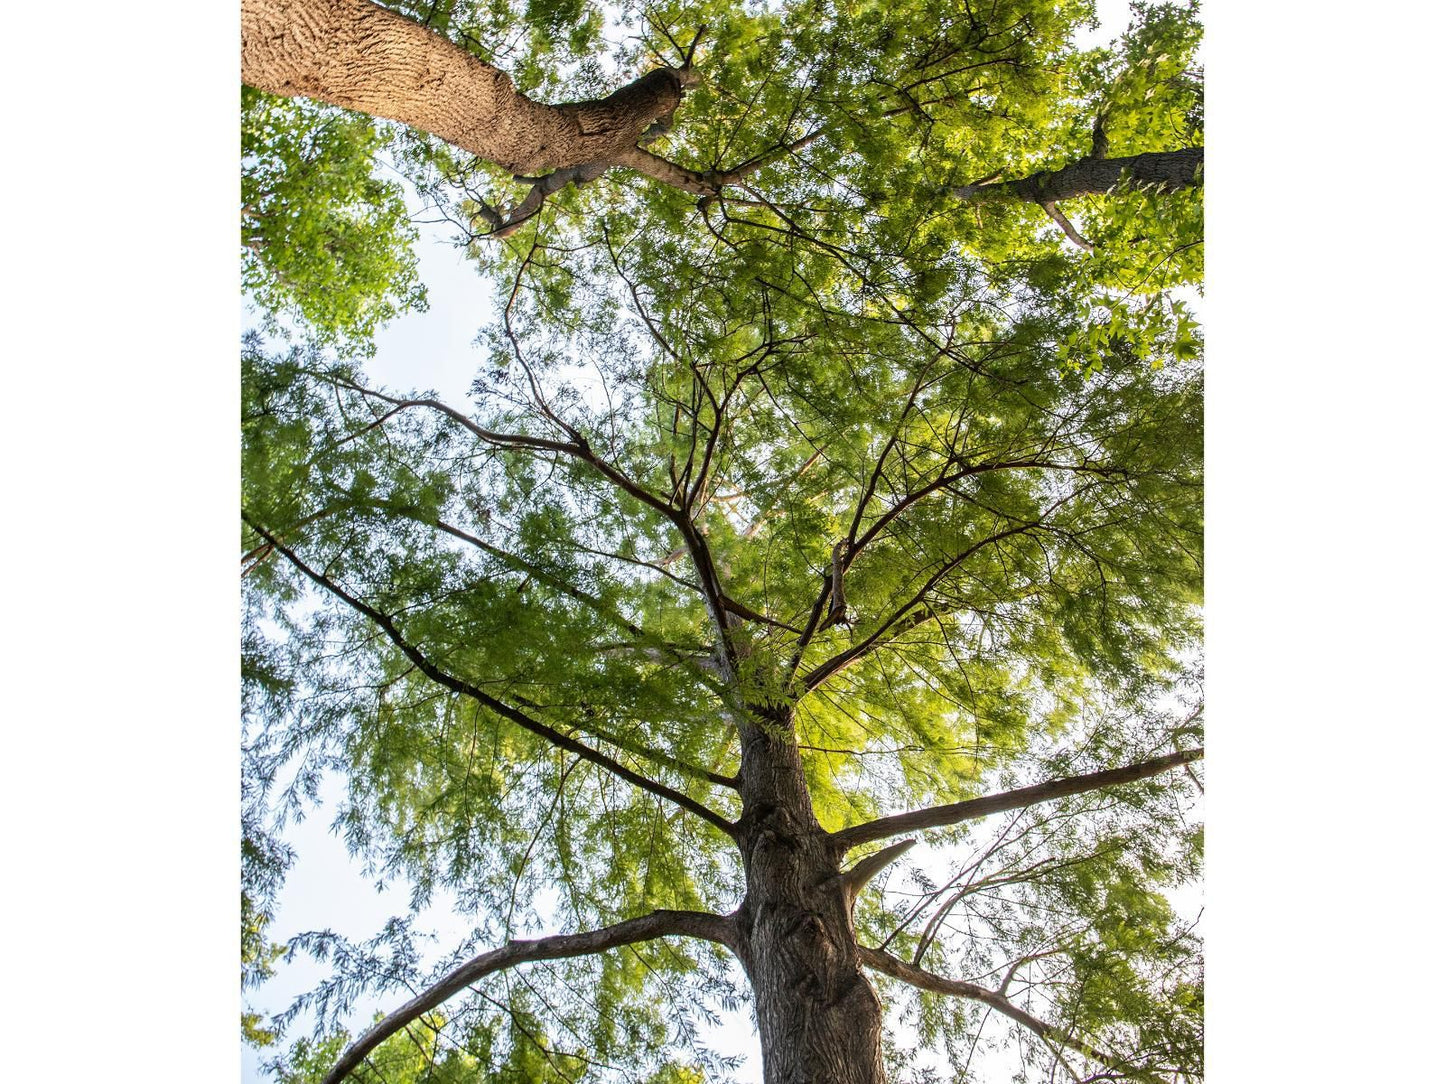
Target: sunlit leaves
{"points": [[323, 238]]}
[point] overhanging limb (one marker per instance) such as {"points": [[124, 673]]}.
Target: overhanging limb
{"points": [[698, 924], [506, 711]]}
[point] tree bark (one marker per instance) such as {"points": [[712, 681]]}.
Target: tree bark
{"points": [[819, 1019], [1169, 170], [356, 55]]}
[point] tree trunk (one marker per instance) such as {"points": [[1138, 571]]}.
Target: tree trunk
{"points": [[354, 54], [819, 1020], [1170, 170]]}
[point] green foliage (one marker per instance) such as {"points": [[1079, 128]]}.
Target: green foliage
{"points": [[416, 1056], [1002, 430], [324, 240], [1068, 907]]}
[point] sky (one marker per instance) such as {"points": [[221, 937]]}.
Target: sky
{"points": [[1324, 590]]}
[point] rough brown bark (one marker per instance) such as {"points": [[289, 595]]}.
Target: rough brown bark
{"points": [[1170, 170], [819, 1019], [357, 55]]}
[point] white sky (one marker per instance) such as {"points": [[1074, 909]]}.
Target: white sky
{"points": [[1324, 593]]}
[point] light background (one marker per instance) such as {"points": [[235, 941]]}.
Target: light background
{"points": [[120, 483]]}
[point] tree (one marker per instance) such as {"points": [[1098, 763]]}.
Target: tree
{"points": [[816, 497]]}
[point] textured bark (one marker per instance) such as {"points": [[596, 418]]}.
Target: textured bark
{"points": [[819, 1020], [357, 55], [1170, 170]]}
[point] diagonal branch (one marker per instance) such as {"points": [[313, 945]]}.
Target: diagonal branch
{"points": [[709, 582], [578, 448], [1052, 210], [450, 681], [358, 55], [699, 924], [927, 980], [824, 670], [541, 188], [940, 815], [655, 647], [857, 543], [868, 868]]}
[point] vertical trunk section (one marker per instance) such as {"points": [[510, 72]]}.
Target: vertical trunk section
{"points": [[818, 1018], [359, 56]]}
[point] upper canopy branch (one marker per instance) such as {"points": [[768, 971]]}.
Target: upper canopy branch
{"points": [[1166, 170], [955, 470], [941, 815], [824, 670], [698, 924], [452, 682]]}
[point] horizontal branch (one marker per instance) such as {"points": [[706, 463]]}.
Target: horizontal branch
{"points": [[699, 924], [940, 815], [1166, 170], [506, 711], [521, 441], [709, 182]]}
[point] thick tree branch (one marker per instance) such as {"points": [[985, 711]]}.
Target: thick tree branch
{"points": [[450, 681], [941, 815], [698, 924], [669, 173], [1167, 170], [707, 182], [358, 55], [541, 188], [1052, 210]]}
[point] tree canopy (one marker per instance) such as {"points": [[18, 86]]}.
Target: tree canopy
{"points": [[832, 479]]}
